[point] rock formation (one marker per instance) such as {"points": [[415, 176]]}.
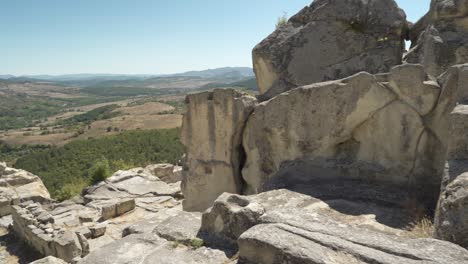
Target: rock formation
{"points": [[329, 40], [440, 38], [19, 186], [332, 133], [72, 229], [451, 219], [451, 222], [276, 227], [212, 134]]}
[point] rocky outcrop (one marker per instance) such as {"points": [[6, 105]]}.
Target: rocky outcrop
{"points": [[330, 134], [72, 229], [41, 233], [282, 226], [212, 134], [317, 240], [150, 248], [451, 221], [329, 40], [19, 186], [166, 172], [440, 38], [278, 226]]}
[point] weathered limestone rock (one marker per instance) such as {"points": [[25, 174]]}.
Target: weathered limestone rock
{"points": [[116, 208], [49, 260], [61, 244], [98, 230], [440, 38], [315, 240], [19, 186], [458, 149], [355, 129], [149, 249], [329, 40], [232, 215], [166, 172], [451, 221], [70, 230], [212, 134], [182, 228]]}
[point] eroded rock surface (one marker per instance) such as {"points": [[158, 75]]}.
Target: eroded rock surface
{"points": [[72, 229], [317, 240], [451, 221], [329, 40], [212, 134], [353, 130], [440, 38], [149, 249], [19, 186]]}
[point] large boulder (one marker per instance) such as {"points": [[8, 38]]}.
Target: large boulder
{"points": [[358, 129], [440, 38], [317, 240], [282, 226], [329, 40], [451, 221], [212, 134]]}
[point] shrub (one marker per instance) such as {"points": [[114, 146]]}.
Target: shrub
{"points": [[282, 21], [100, 171]]}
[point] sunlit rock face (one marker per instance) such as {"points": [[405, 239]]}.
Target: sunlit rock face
{"points": [[440, 38], [212, 134], [329, 40], [390, 133]]}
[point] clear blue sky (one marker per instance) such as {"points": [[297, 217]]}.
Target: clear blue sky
{"points": [[139, 36]]}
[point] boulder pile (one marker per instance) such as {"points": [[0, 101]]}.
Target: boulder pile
{"points": [[72, 229]]}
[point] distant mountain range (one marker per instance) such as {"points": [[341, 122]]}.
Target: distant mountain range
{"points": [[233, 72], [211, 78]]}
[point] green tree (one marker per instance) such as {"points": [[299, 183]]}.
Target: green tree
{"points": [[100, 171]]}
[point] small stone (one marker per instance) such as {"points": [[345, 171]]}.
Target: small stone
{"points": [[98, 230]]}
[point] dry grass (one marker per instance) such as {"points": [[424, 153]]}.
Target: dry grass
{"points": [[146, 116], [422, 225], [421, 228]]}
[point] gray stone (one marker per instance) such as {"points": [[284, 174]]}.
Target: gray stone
{"points": [[322, 241], [49, 260], [440, 38], [212, 134], [230, 216], [149, 249], [329, 40], [83, 243], [116, 208], [181, 228], [98, 230], [458, 147], [451, 221], [166, 172]]}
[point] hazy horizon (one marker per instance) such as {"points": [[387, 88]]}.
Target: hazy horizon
{"points": [[54, 37]]}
